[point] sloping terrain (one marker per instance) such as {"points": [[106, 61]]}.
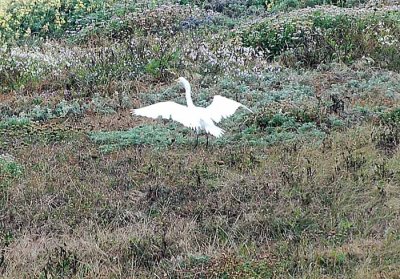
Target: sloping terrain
{"points": [[308, 186]]}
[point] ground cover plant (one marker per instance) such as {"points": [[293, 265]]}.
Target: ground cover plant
{"points": [[305, 187]]}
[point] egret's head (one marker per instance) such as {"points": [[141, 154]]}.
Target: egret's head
{"points": [[186, 85], [182, 81]]}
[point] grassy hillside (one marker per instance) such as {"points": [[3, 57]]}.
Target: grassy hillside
{"points": [[308, 186]]}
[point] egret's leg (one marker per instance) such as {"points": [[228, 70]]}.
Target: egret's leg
{"points": [[197, 140], [206, 140]]}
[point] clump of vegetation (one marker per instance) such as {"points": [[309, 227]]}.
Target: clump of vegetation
{"points": [[321, 37], [23, 19], [141, 135], [388, 137], [16, 132], [9, 170], [287, 5], [14, 123], [8, 167]]}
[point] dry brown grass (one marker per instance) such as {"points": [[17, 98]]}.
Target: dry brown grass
{"points": [[289, 209]]}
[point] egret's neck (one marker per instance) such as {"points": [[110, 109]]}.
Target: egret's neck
{"points": [[188, 93]]}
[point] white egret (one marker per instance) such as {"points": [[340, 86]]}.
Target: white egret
{"points": [[196, 118]]}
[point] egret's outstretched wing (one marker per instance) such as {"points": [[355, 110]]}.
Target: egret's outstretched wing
{"points": [[222, 107], [168, 110]]}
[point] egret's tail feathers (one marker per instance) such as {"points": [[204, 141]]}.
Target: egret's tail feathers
{"points": [[215, 131], [142, 112]]}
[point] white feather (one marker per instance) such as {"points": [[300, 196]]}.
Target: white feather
{"points": [[168, 110], [197, 118], [222, 107]]}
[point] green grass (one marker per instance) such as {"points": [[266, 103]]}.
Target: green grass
{"points": [[9, 168], [157, 136]]}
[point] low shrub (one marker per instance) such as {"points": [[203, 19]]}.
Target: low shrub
{"points": [[140, 135], [287, 5], [124, 24], [321, 37], [29, 66], [9, 168], [231, 8], [21, 19]]}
